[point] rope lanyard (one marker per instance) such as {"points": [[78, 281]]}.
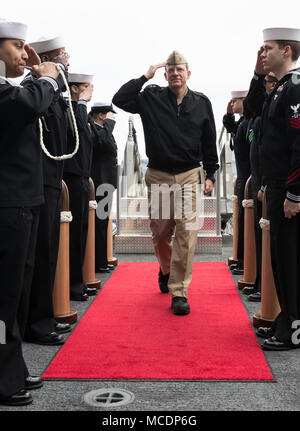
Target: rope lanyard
{"points": [[64, 156]]}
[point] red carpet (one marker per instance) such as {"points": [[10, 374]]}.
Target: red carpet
{"points": [[129, 332]]}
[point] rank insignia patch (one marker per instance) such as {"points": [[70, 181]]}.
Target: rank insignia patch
{"points": [[295, 110], [295, 123], [295, 118]]}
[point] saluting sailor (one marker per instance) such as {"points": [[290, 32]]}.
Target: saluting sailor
{"points": [[104, 171], [76, 175], [280, 155], [238, 130], [21, 195], [180, 133], [40, 326]]}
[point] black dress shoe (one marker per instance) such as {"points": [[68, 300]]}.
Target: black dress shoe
{"points": [[62, 328], [163, 282], [32, 382], [248, 290], [111, 267], [103, 270], [90, 291], [52, 339], [238, 271], [80, 297], [255, 297], [21, 398], [264, 332], [274, 344], [233, 266], [180, 306]]}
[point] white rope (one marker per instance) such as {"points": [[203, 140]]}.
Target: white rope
{"points": [[93, 205], [248, 203], [64, 156], [66, 217], [234, 198], [264, 224]]}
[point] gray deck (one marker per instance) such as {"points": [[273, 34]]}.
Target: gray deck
{"points": [[283, 394]]}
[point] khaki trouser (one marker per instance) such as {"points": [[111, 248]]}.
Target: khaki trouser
{"points": [[171, 213]]}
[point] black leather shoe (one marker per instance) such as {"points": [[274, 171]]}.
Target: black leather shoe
{"points": [[103, 270], [90, 291], [233, 266], [52, 339], [264, 332], [111, 267], [163, 282], [81, 297], [238, 271], [62, 328], [255, 297], [21, 398], [248, 290], [274, 344], [180, 306], [32, 382]]}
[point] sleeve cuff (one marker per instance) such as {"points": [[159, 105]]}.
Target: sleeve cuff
{"points": [[257, 77], [51, 81], [262, 189], [82, 102], [291, 197], [143, 80]]}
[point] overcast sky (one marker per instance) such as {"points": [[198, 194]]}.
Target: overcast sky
{"points": [[118, 40]]}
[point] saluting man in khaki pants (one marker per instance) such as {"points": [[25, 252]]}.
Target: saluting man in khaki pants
{"points": [[180, 135]]}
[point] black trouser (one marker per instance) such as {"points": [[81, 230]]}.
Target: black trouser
{"points": [[101, 225], [240, 184], [285, 257], [40, 320], [79, 193], [18, 233], [256, 184]]}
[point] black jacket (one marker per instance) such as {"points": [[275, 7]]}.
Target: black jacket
{"points": [[241, 147], [55, 123], [177, 139], [105, 154], [21, 175], [280, 134], [80, 164]]}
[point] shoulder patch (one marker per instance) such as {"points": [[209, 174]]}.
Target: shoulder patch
{"points": [[295, 116]]}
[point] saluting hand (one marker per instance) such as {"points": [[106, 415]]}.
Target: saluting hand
{"points": [[259, 67], [46, 69], [290, 208], [152, 70], [33, 57], [110, 115], [229, 108], [87, 93]]}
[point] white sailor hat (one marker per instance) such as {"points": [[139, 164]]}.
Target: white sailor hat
{"points": [[12, 30], [44, 44], [102, 107], [282, 34], [239, 94], [80, 78]]}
